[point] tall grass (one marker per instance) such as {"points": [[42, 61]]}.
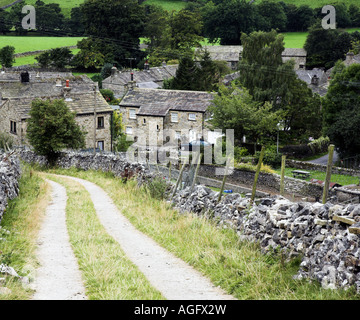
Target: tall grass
{"points": [[238, 267], [23, 220]]}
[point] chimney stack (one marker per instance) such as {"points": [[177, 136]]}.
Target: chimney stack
{"points": [[25, 77], [146, 65], [349, 58], [113, 71], [315, 80]]}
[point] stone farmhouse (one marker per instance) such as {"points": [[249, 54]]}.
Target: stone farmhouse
{"points": [[232, 55], [156, 116], [19, 89], [151, 78]]}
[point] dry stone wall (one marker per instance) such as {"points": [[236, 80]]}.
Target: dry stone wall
{"points": [[10, 173], [326, 237]]}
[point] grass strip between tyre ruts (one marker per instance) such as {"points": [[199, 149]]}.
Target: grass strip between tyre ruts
{"points": [[106, 271]]}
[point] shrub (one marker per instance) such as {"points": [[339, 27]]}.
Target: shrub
{"points": [[240, 152], [156, 187], [319, 145], [271, 157], [6, 140]]}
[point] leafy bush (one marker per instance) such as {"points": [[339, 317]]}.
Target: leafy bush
{"points": [[240, 152], [319, 145], [271, 157], [6, 140], [251, 167], [156, 188]]}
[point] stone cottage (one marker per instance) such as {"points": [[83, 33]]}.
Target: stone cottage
{"points": [[157, 116], [19, 89], [151, 78]]}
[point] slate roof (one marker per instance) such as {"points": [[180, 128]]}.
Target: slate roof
{"points": [[232, 53], [294, 52], [158, 102], [20, 95], [156, 74], [82, 104], [222, 53]]}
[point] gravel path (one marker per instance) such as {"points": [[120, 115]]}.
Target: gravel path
{"points": [[58, 277], [174, 278]]}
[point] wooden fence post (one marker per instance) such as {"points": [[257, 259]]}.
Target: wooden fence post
{"points": [[282, 183], [224, 179], [196, 172], [257, 174], [328, 173], [179, 178]]}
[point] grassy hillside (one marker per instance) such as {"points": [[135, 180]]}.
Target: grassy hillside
{"points": [[317, 3]]}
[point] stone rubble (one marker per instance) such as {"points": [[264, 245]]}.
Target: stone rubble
{"points": [[326, 237], [10, 173]]}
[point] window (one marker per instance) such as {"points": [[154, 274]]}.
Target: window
{"points": [[132, 114], [100, 145], [157, 128], [177, 134], [144, 121], [13, 127], [174, 117], [129, 130], [101, 123], [192, 116]]}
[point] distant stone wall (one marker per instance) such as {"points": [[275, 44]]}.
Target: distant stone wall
{"points": [[319, 167], [10, 173], [117, 164], [267, 180]]}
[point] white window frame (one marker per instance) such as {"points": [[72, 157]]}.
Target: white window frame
{"points": [[102, 144], [127, 130], [174, 117], [192, 116], [132, 114], [177, 134]]}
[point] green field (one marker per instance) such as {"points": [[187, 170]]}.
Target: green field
{"points": [[27, 43]]}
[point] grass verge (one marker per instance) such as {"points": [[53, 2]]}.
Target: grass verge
{"points": [[238, 267], [22, 219], [108, 274], [338, 178]]}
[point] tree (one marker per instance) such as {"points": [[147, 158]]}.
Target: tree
{"points": [[93, 54], [7, 56], [272, 16], [58, 58], [48, 16], [117, 25], [5, 21], [52, 127], [325, 46], [227, 19], [171, 36], [234, 108], [186, 75], [342, 110], [262, 70]]}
